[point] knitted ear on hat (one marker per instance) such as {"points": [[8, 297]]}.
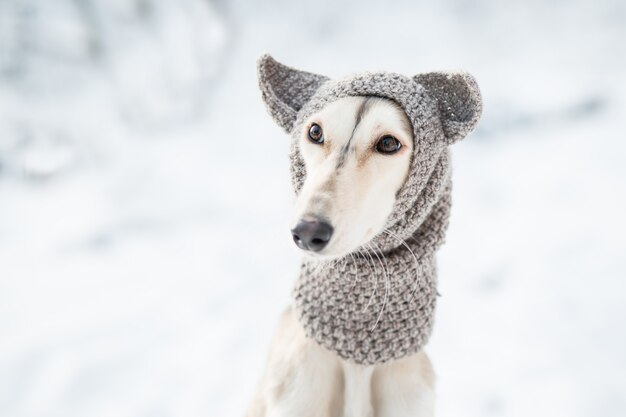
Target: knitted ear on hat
{"points": [[458, 101], [285, 90]]}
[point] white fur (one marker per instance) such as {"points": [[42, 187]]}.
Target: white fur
{"points": [[364, 189], [303, 379]]}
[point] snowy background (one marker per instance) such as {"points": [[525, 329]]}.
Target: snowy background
{"points": [[144, 196]]}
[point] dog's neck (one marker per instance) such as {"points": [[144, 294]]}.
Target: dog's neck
{"points": [[377, 303]]}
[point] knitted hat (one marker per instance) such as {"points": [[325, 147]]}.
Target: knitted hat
{"points": [[377, 303]]}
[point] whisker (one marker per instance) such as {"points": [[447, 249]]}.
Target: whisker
{"points": [[356, 270], [375, 274], [387, 285], [363, 254], [320, 265], [417, 264], [328, 265]]}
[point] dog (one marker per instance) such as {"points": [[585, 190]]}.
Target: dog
{"points": [[357, 152]]}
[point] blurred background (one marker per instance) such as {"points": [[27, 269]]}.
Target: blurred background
{"points": [[144, 196]]}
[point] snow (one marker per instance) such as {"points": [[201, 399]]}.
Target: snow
{"points": [[144, 198]]}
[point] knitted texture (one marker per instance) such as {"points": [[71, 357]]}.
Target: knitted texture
{"points": [[377, 303]]}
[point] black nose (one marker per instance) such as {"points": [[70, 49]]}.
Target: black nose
{"points": [[312, 235]]}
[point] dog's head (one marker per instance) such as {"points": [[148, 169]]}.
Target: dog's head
{"points": [[363, 147]]}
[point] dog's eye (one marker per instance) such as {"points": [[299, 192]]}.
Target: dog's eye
{"points": [[315, 134], [388, 145]]}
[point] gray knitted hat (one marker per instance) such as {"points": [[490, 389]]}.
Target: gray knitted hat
{"points": [[377, 304]]}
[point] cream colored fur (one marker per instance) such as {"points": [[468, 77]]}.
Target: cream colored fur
{"points": [[303, 379], [358, 197]]}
